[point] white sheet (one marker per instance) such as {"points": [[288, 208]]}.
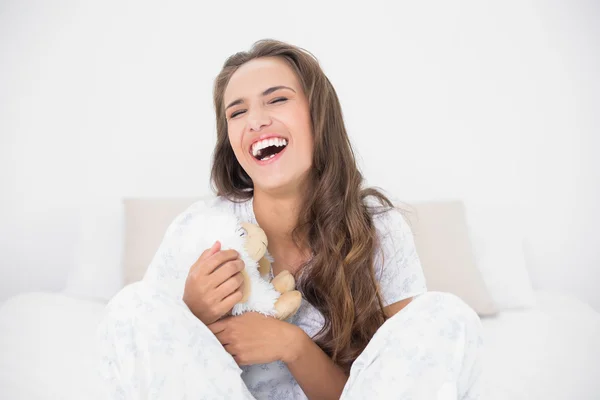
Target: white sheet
{"points": [[45, 347], [549, 352]]}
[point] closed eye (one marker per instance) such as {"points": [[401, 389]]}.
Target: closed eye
{"points": [[235, 114]]}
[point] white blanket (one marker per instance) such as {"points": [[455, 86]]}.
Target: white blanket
{"points": [[549, 352], [45, 351]]}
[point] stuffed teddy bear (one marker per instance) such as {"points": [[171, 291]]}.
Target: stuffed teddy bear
{"points": [[197, 229], [258, 271]]}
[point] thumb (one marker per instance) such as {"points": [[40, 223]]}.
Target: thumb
{"points": [[207, 253]]}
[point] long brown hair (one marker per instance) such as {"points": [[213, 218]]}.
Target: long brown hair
{"points": [[335, 222]]}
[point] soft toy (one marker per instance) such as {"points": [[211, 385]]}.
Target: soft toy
{"points": [[257, 272], [197, 229]]}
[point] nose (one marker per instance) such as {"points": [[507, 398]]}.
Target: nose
{"points": [[258, 119]]}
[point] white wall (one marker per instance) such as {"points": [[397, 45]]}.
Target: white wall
{"points": [[490, 103]]}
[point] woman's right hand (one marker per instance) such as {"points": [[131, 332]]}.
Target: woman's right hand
{"points": [[214, 284]]}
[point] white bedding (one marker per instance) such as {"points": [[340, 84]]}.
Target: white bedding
{"points": [[551, 351], [45, 347]]}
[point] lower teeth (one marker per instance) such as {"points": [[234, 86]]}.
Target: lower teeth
{"points": [[268, 157]]}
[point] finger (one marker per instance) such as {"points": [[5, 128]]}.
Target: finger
{"points": [[206, 253], [229, 349], [230, 285], [222, 338], [211, 263], [238, 360], [230, 301], [218, 327], [226, 271]]}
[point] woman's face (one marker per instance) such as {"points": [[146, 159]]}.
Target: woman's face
{"points": [[269, 125]]}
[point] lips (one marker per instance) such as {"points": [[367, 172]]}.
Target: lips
{"points": [[267, 146]]}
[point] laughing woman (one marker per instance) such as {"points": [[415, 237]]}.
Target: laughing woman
{"points": [[367, 327]]}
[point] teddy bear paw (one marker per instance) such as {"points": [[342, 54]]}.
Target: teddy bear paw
{"points": [[287, 304], [284, 282]]}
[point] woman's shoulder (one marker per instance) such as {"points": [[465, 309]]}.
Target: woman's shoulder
{"points": [[397, 264], [392, 225], [387, 217]]}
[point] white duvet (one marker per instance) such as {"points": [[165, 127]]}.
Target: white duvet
{"points": [[45, 347], [551, 351]]}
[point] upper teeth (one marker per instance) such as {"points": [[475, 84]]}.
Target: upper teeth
{"points": [[262, 144]]}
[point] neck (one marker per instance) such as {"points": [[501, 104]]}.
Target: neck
{"points": [[277, 214]]}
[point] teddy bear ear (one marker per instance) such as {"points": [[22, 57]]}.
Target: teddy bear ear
{"points": [[264, 266]]}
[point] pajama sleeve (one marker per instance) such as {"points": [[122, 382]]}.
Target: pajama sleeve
{"points": [[397, 265]]}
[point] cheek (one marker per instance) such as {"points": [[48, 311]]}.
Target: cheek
{"points": [[302, 129], [307, 138], [235, 139]]}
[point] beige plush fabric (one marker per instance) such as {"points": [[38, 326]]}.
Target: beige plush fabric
{"points": [[442, 239], [440, 231]]}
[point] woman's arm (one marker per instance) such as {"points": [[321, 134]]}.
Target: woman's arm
{"points": [[253, 338], [392, 309], [316, 373], [318, 376]]}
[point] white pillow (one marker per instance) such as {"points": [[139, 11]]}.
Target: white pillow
{"points": [[97, 271], [496, 232]]}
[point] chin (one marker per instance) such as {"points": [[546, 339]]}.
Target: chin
{"points": [[275, 184], [273, 187], [280, 179]]}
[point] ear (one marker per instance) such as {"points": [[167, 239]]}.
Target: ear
{"points": [[264, 266]]}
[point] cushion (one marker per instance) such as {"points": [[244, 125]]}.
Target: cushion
{"points": [[146, 221], [442, 239]]}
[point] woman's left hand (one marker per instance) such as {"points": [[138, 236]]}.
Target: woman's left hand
{"points": [[253, 338]]}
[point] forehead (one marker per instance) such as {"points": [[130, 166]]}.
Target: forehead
{"points": [[259, 74]]}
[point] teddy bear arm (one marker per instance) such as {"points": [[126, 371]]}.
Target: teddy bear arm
{"points": [[287, 304], [284, 282]]}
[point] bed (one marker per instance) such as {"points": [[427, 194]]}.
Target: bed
{"points": [[550, 351], [538, 344]]}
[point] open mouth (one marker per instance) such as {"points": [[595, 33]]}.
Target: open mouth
{"points": [[266, 149]]}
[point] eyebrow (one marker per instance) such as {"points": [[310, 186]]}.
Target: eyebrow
{"points": [[265, 93]]}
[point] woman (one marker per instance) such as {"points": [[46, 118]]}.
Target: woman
{"points": [[367, 327]]}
